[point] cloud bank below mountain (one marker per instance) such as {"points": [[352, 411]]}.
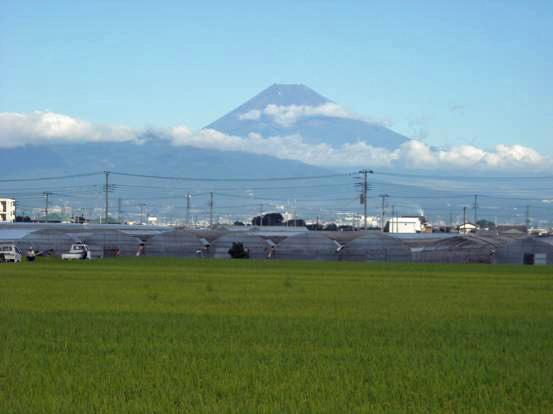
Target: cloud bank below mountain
{"points": [[287, 115], [43, 127]]}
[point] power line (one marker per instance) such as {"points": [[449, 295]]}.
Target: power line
{"points": [[61, 177], [464, 177], [160, 177]]}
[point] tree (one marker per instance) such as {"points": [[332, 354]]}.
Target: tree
{"points": [[331, 227], [238, 251], [485, 224], [295, 223], [269, 219], [22, 219], [272, 219]]}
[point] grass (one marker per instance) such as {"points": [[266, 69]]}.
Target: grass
{"points": [[145, 335]]}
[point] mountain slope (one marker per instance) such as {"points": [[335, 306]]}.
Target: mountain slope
{"points": [[260, 115], [156, 157]]}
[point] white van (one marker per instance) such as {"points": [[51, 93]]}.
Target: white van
{"points": [[78, 251], [9, 253]]}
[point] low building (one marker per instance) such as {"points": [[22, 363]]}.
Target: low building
{"points": [[404, 225], [467, 228], [7, 210]]}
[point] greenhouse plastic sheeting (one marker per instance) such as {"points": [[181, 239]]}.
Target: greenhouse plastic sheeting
{"points": [[461, 249], [309, 245], [176, 243], [105, 243], [376, 246], [530, 250]]}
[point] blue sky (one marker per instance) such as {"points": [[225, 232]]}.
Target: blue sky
{"points": [[451, 73]]}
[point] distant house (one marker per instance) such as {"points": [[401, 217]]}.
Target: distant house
{"points": [[404, 225], [7, 210], [467, 228]]}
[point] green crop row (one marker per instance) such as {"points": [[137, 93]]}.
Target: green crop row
{"points": [[146, 335]]}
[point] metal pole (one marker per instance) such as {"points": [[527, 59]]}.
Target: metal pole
{"points": [[261, 215], [364, 193], [465, 220], [365, 190], [46, 194], [210, 210], [107, 197], [142, 213], [188, 210], [527, 218], [119, 212], [475, 208], [384, 196]]}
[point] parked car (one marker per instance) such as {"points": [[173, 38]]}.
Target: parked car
{"points": [[9, 253], [78, 251]]}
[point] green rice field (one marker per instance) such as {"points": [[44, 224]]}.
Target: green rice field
{"points": [[147, 335]]}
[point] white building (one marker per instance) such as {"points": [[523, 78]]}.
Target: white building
{"points": [[404, 225], [467, 228], [7, 210]]}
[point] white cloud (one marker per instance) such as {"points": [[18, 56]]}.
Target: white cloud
{"points": [[414, 154], [39, 127], [252, 115], [287, 115]]}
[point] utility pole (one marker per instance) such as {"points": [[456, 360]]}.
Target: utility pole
{"points": [[527, 218], [46, 194], [475, 208], [210, 210], [119, 211], [465, 219], [106, 173], [188, 210], [261, 215], [141, 205], [393, 224], [384, 197], [364, 185]]}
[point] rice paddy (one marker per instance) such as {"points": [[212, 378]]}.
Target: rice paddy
{"points": [[146, 335]]}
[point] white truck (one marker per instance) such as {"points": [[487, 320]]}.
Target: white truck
{"points": [[9, 253], [78, 251]]}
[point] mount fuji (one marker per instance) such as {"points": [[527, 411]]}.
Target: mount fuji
{"points": [[286, 109]]}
